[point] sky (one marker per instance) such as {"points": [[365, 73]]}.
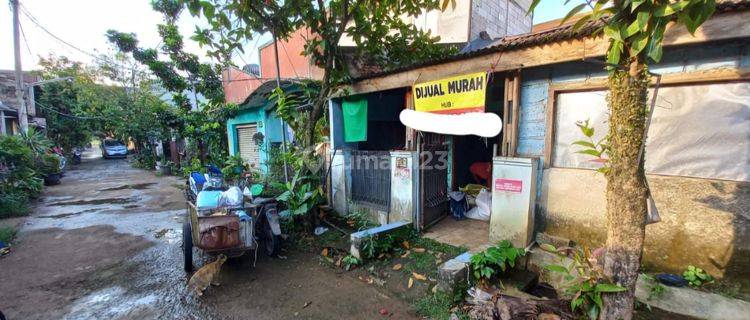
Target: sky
{"points": [[83, 24]]}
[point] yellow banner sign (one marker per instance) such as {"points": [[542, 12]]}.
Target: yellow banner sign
{"points": [[459, 94]]}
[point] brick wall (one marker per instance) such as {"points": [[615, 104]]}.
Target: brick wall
{"points": [[500, 17]]}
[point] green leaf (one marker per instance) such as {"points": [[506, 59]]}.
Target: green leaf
{"points": [[591, 152], [642, 18], [635, 4], [585, 144], [556, 268], [632, 29], [597, 299], [284, 197], [573, 12], [593, 312], [638, 43], [533, 5], [548, 247], [612, 32], [208, 9], [608, 287], [615, 50], [581, 22]]}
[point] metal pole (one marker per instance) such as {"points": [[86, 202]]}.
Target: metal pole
{"points": [[278, 85], [23, 120]]}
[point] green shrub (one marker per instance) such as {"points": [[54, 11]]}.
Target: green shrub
{"points": [[234, 167], [144, 160], [438, 306], [49, 164], [7, 234], [486, 264], [696, 276], [18, 163], [13, 204]]}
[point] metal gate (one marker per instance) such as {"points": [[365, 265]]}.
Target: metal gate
{"points": [[371, 178], [434, 175]]}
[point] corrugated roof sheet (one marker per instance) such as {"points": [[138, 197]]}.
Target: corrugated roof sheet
{"points": [[562, 33]]}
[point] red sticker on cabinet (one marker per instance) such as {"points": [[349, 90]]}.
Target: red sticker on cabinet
{"points": [[508, 185]]}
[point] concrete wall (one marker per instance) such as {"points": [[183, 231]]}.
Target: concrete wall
{"points": [[500, 17], [704, 221], [403, 185], [238, 84], [292, 62]]}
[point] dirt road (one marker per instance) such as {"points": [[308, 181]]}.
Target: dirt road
{"points": [[105, 244]]}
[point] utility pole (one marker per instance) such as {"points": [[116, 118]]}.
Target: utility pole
{"points": [[278, 85], [23, 120]]}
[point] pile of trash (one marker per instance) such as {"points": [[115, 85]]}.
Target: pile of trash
{"points": [[499, 304], [472, 201]]}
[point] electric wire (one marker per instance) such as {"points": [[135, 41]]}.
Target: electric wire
{"points": [[67, 114]]}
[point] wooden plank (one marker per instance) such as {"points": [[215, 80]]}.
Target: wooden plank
{"points": [[669, 79], [516, 113], [550, 131], [506, 117], [732, 25]]}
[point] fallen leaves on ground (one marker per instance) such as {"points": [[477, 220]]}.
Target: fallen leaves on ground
{"points": [[325, 252], [418, 276], [406, 254], [411, 283], [397, 267], [307, 304], [405, 244], [420, 250]]}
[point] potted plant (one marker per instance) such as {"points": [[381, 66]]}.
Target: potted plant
{"points": [[50, 169], [165, 167]]}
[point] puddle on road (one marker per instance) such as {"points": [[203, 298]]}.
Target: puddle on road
{"points": [[112, 303], [138, 186], [65, 215], [95, 201]]}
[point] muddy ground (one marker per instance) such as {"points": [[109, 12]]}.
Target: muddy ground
{"points": [[106, 244]]}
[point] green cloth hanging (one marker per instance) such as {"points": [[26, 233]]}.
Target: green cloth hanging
{"points": [[355, 119]]}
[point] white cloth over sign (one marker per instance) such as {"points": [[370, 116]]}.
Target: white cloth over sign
{"points": [[477, 123]]}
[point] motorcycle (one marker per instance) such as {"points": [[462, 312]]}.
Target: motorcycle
{"points": [[58, 151], [77, 155]]}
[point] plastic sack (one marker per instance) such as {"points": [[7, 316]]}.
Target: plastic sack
{"points": [[233, 197], [458, 204], [482, 210]]}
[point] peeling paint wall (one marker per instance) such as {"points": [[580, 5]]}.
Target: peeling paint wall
{"points": [[704, 222]]}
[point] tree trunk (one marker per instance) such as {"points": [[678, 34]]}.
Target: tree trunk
{"points": [[626, 188]]}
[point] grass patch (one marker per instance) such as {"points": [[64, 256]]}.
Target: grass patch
{"points": [[438, 306], [426, 263], [7, 234], [436, 246], [423, 263]]}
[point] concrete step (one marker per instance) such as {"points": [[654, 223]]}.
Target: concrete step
{"points": [[357, 237]]}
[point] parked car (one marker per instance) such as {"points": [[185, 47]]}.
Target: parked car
{"points": [[113, 149]]}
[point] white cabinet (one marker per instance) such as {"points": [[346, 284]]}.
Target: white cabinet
{"points": [[513, 196]]}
